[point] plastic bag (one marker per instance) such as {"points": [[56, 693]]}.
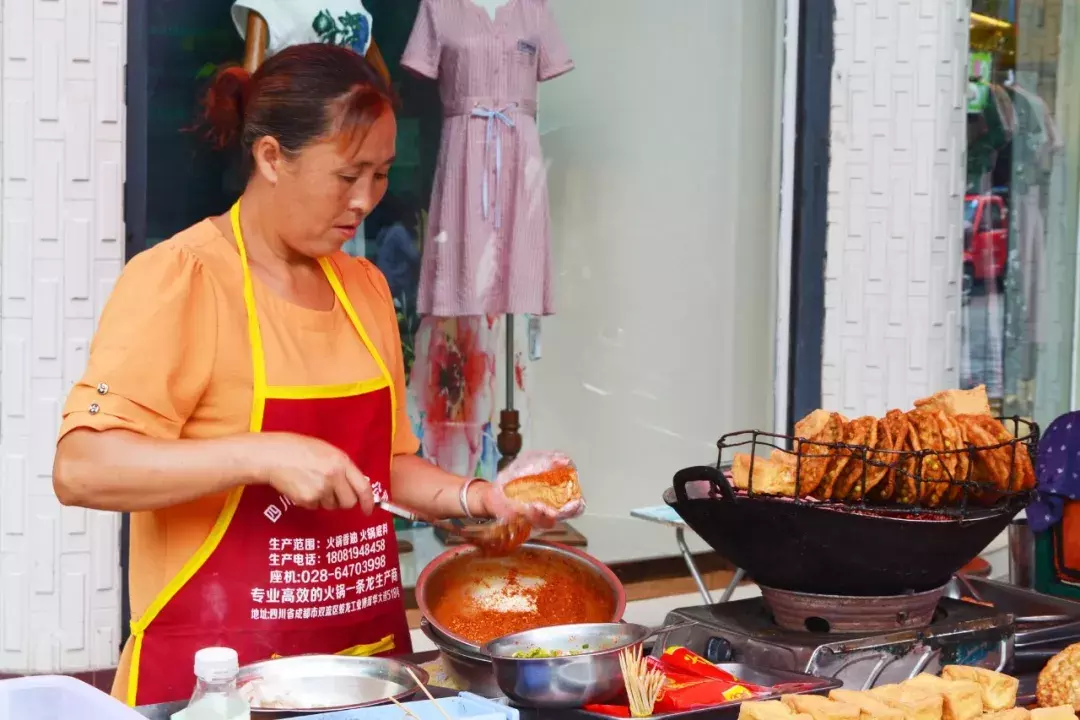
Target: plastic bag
{"points": [[547, 479]]}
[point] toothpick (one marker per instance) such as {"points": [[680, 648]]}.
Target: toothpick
{"points": [[429, 695], [407, 711]]}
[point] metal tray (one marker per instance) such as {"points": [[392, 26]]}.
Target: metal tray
{"points": [[782, 682], [346, 682]]}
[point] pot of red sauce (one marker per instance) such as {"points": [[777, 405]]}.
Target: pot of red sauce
{"points": [[471, 599]]}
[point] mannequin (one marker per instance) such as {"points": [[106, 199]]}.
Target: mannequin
{"points": [[257, 37], [487, 248]]}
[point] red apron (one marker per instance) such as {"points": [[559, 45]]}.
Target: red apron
{"points": [[274, 579]]}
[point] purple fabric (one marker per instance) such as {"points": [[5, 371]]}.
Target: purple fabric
{"points": [[1057, 471]]}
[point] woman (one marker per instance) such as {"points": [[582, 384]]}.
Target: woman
{"points": [[244, 397]]}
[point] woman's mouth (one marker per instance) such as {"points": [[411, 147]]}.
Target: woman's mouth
{"points": [[347, 231]]}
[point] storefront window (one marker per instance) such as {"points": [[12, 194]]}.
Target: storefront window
{"points": [[1020, 210]]}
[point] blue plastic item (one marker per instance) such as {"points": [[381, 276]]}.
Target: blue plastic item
{"points": [[465, 705]]}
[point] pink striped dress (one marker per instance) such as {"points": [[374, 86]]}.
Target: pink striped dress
{"points": [[487, 249]]}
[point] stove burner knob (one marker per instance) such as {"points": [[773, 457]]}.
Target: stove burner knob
{"points": [[719, 650]]}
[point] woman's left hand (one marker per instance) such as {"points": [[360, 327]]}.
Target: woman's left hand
{"points": [[497, 505]]}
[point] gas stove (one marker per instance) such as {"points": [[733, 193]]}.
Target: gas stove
{"points": [[744, 631]]}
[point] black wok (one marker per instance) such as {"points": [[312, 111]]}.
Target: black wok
{"points": [[828, 548]]}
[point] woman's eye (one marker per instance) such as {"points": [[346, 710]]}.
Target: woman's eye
{"points": [[381, 176], [349, 178]]}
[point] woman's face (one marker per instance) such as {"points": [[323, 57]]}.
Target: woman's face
{"points": [[321, 195]]}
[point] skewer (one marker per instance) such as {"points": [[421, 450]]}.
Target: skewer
{"points": [[429, 695], [407, 711]]}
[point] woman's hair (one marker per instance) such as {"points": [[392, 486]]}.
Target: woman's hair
{"points": [[297, 96]]}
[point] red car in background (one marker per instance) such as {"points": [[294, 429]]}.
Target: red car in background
{"points": [[986, 241]]}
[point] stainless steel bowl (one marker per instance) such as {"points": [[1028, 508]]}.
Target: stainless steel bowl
{"points": [[470, 671], [324, 683], [591, 675], [462, 568]]}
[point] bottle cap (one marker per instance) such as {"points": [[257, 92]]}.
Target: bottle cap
{"points": [[216, 664]]}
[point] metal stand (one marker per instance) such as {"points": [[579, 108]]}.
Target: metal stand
{"points": [[509, 440]]}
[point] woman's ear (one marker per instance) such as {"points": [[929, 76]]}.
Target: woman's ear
{"points": [[268, 158]]}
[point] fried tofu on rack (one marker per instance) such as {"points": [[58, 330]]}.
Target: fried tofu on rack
{"points": [[770, 476], [931, 456]]}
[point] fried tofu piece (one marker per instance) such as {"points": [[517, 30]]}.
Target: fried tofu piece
{"points": [[896, 429], [998, 689], [1015, 713], [820, 708], [866, 434], [915, 703], [817, 432], [963, 698], [765, 710], [771, 477], [870, 707], [958, 402], [1058, 712], [1059, 680]]}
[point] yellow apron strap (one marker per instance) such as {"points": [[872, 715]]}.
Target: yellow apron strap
{"points": [[339, 291], [258, 357]]}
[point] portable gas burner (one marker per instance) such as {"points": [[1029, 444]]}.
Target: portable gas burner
{"points": [[863, 642]]}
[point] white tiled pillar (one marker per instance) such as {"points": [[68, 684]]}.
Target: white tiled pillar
{"points": [[62, 238], [896, 184]]}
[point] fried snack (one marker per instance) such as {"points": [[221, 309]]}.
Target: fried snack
{"points": [[897, 429], [954, 436], [1021, 474], [962, 698], [927, 434], [870, 707], [764, 710], [1059, 680], [998, 689], [915, 703], [864, 430], [855, 433], [820, 429], [771, 477], [958, 402], [1015, 713], [554, 488], [820, 708], [1059, 712], [952, 458]]}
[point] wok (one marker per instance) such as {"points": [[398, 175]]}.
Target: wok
{"points": [[829, 548]]}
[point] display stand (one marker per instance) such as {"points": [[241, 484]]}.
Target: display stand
{"points": [[509, 441], [258, 34]]}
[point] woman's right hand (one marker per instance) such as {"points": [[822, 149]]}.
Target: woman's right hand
{"points": [[311, 473]]}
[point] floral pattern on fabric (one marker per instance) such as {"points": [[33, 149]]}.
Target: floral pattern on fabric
{"points": [[452, 393], [350, 29]]}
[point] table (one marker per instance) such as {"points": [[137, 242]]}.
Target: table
{"points": [[164, 711], [664, 515]]}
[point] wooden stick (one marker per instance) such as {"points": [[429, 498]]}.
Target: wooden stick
{"points": [[429, 695]]}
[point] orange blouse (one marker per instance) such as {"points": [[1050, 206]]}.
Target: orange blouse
{"points": [[171, 359]]}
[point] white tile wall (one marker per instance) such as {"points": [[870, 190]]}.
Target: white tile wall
{"points": [[61, 234], [896, 183]]}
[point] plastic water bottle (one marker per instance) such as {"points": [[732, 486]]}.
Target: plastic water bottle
{"points": [[216, 696]]}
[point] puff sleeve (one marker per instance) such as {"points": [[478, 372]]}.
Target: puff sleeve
{"points": [[153, 353]]}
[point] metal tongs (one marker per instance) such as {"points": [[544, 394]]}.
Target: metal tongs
{"points": [[492, 538]]}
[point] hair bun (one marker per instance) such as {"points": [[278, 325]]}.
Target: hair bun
{"points": [[223, 106]]}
